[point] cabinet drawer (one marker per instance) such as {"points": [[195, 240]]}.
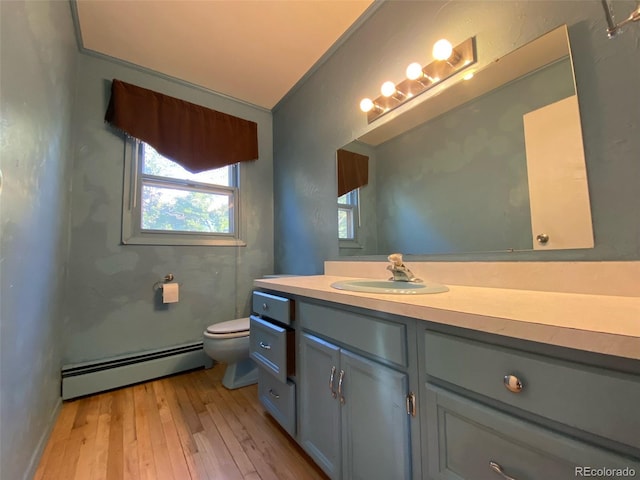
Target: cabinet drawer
{"points": [[279, 399], [272, 347], [595, 400], [387, 340], [465, 437], [272, 306]]}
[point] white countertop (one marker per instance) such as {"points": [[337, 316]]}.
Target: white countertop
{"points": [[597, 323]]}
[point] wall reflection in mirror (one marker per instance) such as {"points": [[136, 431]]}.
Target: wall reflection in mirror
{"points": [[493, 166]]}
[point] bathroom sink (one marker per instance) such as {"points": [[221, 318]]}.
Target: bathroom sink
{"points": [[389, 287]]}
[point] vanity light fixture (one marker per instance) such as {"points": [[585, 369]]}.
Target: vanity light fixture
{"points": [[389, 89], [614, 28], [449, 60], [367, 105], [414, 72], [443, 51]]}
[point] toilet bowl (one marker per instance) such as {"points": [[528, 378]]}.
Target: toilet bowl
{"points": [[228, 342]]}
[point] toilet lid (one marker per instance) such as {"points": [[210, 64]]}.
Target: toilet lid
{"points": [[239, 325]]}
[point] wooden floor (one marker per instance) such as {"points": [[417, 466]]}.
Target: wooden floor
{"points": [[187, 426]]}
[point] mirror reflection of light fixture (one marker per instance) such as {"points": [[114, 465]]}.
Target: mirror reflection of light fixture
{"points": [[614, 28], [449, 60]]}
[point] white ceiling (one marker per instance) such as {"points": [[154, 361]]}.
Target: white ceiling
{"points": [[252, 50]]}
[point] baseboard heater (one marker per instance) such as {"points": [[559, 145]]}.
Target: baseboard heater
{"points": [[92, 377]]}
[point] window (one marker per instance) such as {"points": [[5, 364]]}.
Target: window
{"points": [[348, 216], [165, 204]]}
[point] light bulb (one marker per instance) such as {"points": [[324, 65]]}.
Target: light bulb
{"points": [[468, 76], [366, 105], [442, 49], [388, 89], [414, 71]]}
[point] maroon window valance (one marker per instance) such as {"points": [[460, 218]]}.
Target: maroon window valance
{"points": [[353, 171], [196, 137]]}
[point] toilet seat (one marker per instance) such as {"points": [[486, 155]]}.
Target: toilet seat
{"points": [[229, 329]]}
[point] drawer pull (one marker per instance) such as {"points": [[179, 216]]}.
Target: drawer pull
{"points": [[273, 394], [496, 467], [340, 380], [265, 306], [266, 346], [513, 383], [331, 378]]}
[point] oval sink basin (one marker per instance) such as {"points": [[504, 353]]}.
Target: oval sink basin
{"points": [[389, 287]]}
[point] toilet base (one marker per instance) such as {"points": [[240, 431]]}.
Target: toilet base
{"points": [[240, 374]]}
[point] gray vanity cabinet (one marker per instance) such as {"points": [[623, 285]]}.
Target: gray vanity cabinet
{"points": [[489, 407], [493, 412], [376, 437], [353, 417], [356, 413], [318, 408], [272, 347]]}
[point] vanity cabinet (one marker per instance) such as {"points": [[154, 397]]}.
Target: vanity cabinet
{"points": [[487, 407], [272, 348], [468, 440], [355, 411], [493, 412]]}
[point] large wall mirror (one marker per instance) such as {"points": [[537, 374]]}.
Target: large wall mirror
{"points": [[492, 163]]}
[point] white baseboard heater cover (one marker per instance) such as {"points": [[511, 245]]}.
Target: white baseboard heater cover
{"points": [[92, 377]]}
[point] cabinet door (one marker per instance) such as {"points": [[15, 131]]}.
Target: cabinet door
{"points": [[468, 440], [319, 415], [375, 424]]}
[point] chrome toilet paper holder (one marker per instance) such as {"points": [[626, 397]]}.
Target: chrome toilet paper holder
{"points": [[159, 284]]}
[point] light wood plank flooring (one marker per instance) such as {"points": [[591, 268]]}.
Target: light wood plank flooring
{"points": [[182, 427]]}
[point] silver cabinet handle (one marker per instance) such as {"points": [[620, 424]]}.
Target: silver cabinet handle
{"points": [[265, 306], [273, 394], [331, 378], [340, 380], [266, 346], [411, 404], [496, 467], [513, 383]]}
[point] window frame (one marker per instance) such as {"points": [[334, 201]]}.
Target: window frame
{"points": [[134, 179]]}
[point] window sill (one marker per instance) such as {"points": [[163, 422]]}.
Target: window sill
{"points": [[179, 240], [349, 244]]}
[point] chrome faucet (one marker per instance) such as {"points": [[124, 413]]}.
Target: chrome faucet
{"points": [[400, 272]]}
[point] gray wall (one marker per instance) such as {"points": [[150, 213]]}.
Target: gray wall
{"points": [[70, 291], [38, 53], [322, 114], [111, 308]]}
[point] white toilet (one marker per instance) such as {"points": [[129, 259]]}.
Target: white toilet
{"points": [[228, 342]]}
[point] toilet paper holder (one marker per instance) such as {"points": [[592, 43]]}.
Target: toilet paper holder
{"points": [[167, 278]]}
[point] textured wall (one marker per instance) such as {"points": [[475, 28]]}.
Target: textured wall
{"points": [[110, 306], [322, 115], [38, 54]]}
